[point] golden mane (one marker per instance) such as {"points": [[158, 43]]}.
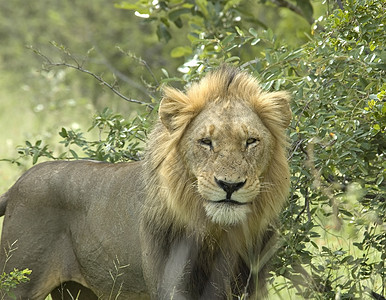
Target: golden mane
{"points": [[165, 164]]}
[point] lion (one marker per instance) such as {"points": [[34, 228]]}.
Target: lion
{"points": [[192, 220]]}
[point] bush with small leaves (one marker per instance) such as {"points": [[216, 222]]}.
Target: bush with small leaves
{"points": [[9, 281]]}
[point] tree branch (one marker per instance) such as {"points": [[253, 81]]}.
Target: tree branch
{"points": [[79, 67], [103, 82], [122, 76], [340, 4]]}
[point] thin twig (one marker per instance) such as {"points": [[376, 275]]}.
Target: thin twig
{"points": [[122, 76], [340, 4], [305, 208], [249, 63], [103, 82], [298, 145], [79, 67], [140, 60]]}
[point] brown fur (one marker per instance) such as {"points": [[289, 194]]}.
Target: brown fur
{"points": [[82, 221]]}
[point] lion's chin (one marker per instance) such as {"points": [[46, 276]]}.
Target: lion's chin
{"points": [[226, 214]]}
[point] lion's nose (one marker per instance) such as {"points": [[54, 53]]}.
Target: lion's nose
{"points": [[229, 187]]}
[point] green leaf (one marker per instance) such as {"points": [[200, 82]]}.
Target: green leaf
{"points": [[253, 32], [136, 7], [176, 14], [379, 180], [239, 31], [228, 39], [126, 5], [163, 33], [74, 154], [203, 4], [232, 59], [63, 133], [255, 41], [165, 72], [181, 51], [178, 23], [35, 157], [231, 3], [306, 7]]}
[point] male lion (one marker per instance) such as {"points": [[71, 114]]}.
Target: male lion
{"points": [[190, 221]]}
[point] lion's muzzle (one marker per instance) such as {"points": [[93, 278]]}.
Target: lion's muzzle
{"points": [[229, 187]]}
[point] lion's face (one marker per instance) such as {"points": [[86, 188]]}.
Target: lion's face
{"points": [[219, 151], [227, 149]]}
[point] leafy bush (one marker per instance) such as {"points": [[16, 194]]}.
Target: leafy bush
{"points": [[119, 140], [333, 236], [9, 281]]}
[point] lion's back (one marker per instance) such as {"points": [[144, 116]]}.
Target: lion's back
{"points": [[75, 184]]}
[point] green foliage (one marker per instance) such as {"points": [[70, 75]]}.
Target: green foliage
{"points": [[9, 281], [122, 140], [35, 151], [337, 159], [119, 140]]}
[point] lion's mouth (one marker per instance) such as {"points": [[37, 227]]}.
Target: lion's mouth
{"points": [[227, 212], [229, 202]]}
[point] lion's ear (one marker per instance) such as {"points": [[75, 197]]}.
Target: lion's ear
{"points": [[274, 108], [173, 106], [282, 102]]}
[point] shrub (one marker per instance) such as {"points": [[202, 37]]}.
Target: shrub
{"points": [[9, 281]]}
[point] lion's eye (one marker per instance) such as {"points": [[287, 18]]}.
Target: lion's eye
{"points": [[206, 142], [252, 141]]}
